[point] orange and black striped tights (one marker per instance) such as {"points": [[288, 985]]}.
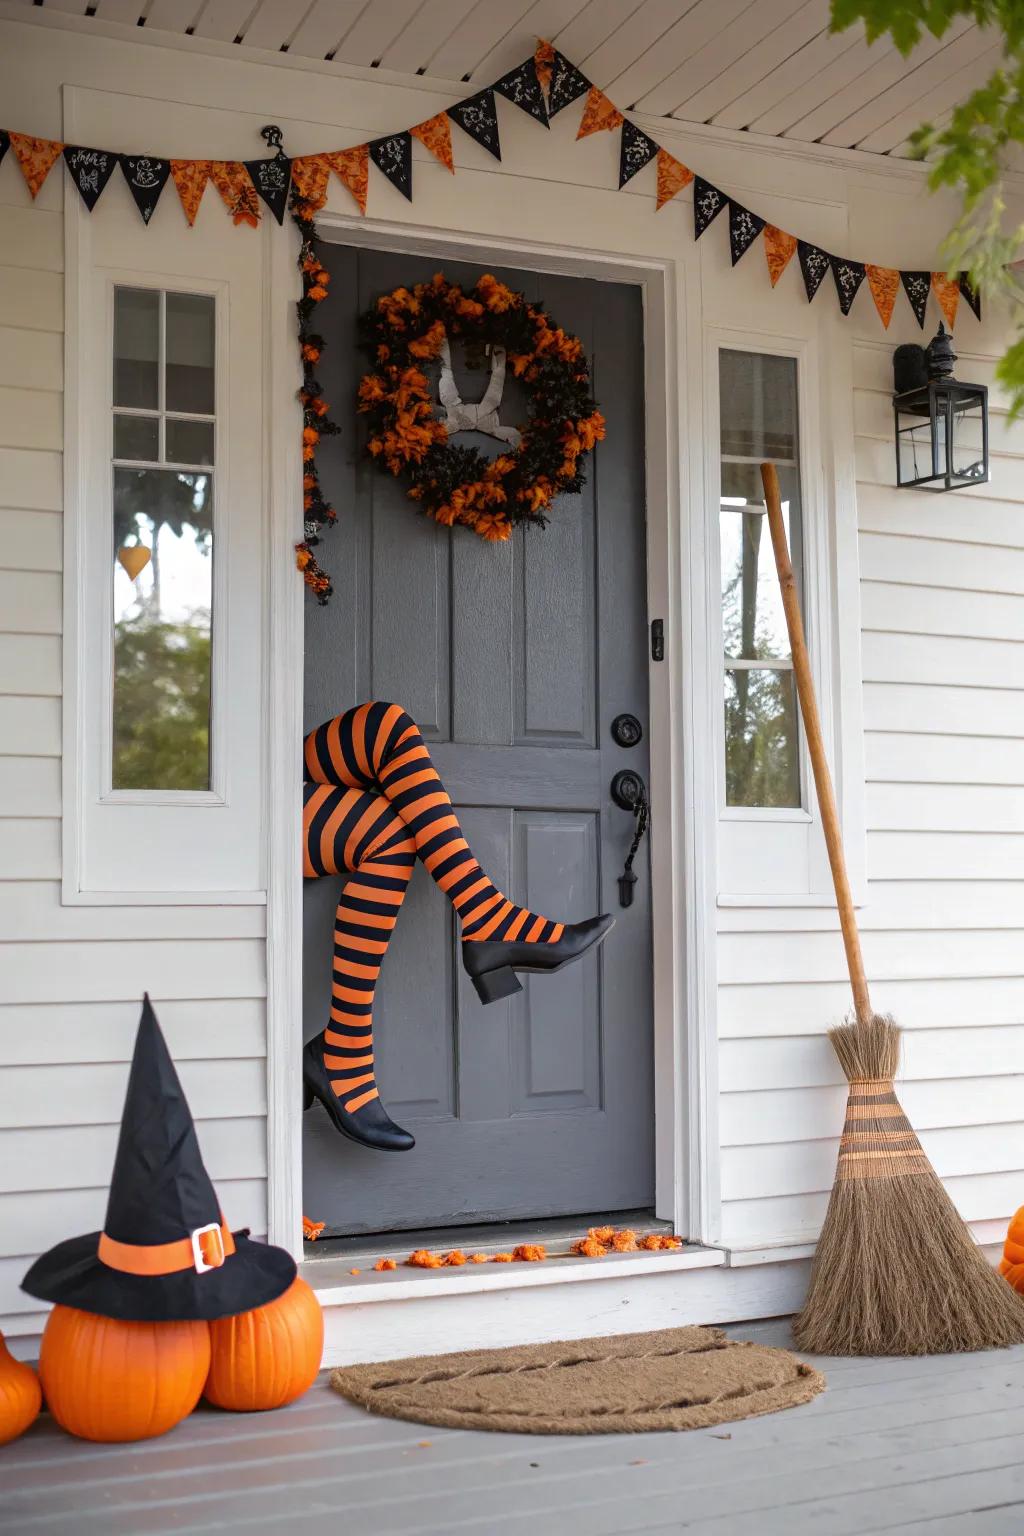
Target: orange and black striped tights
{"points": [[373, 801]]}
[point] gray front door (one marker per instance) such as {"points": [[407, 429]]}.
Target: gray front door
{"points": [[514, 659]]}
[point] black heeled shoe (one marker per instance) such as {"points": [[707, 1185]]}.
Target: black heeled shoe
{"points": [[491, 965], [371, 1125]]}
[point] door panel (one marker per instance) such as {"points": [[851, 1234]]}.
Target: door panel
{"points": [[514, 659]]}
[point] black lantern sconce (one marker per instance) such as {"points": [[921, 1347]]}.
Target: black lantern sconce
{"points": [[941, 424]]}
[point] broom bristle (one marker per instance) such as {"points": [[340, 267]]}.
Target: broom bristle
{"points": [[896, 1272]]}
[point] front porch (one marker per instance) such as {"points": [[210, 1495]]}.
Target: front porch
{"points": [[925, 1447]]}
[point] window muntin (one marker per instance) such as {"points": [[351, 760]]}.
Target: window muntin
{"points": [[758, 420], [163, 501]]}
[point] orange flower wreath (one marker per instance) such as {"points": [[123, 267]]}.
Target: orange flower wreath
{"points": [[406, 329]]}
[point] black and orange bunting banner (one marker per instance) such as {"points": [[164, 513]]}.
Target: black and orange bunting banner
{"points": [[542, 87]]}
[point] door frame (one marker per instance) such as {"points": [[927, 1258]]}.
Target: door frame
{"points": [[681, 703]]}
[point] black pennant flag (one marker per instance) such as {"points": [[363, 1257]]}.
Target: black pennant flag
{"points": [[967, 288], [744, 228], [393, 156], [636, 150], [5, 143], [917, 286], [848, 275], [478, 116], [708, 203], [567, 84], [272, 178], [90, 169], [147, 177], [814, 263], [522, 87]]}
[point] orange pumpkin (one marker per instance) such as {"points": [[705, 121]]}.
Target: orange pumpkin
{"points": [[106, 1379], [1012, 1265], [21, 1396], [267, 1357]]}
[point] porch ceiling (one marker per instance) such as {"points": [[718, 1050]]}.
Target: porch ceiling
{"points": [[767, 66]]}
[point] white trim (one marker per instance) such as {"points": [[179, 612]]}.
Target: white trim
{"points": [[684, 1002]]}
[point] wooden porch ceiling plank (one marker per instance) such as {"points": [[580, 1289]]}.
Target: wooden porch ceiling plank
{"points": [[413, 49], [894, 86], [651, 30], [884, 65], [324, 27], [591, 26], [977, 63], [698, 25], [273, 23], [172, 15], [461, 54], [707, 62], [822, 88], [742, 73], [127, 12], [545, 18], [223, 20], [788, 74], [69, 7], [376, 26]]}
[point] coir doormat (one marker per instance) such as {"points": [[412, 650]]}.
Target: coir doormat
{"points": [[679, 1378]]}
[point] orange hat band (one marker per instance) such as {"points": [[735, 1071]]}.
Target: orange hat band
{"points": [[206, 1248]]}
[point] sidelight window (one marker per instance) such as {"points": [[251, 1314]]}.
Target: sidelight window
{"points": [[758, 421]]}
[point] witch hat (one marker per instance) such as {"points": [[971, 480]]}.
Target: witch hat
{"points": [[165, 1252]]}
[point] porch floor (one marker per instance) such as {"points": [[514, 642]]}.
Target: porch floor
{"points": [[931, 1447]]}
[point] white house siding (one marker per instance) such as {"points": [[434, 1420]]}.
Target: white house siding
{"points": [[942, 629], [71, 977], [942, 603]]}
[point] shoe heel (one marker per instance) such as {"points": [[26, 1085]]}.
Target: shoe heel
{"points": [[307, 1097], [492, 986]]}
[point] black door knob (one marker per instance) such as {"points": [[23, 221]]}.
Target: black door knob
{"points": [[627, 731], [627, 788]]}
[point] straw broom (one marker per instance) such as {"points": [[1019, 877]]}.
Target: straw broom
{"points": [[896, 1272]]}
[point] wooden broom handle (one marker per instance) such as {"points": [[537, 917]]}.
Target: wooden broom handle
{"points": [[816, 745]]}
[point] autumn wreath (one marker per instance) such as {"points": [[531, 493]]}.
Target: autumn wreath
{"points": [[404, 331]]}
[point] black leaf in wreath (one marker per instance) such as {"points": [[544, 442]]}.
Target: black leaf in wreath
{"points": [[708, 203], [90, 169], [917, 286], [393, 156], [272, 178], [848, 276], [522, 87], [744, 228], [814, 263], [635, 151], [5, 143], [567, 85], [967, 288], [478, 116], [146, 177]]}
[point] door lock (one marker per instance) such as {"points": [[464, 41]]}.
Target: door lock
{"points": [[628, 792], [627, 731]]}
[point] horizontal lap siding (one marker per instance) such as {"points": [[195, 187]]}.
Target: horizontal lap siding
{"points": [[942, 616], [71, 977]]}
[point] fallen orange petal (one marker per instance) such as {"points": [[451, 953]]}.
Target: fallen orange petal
{"points": [[385, 1264]]}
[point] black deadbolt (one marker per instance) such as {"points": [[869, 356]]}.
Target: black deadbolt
{"points": [[627, 788], [627, 731]]}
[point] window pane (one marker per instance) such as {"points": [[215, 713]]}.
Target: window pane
{"points": [[190, 353], [188, 442], [762, 765], [137, 437], [162, 629], [753, 622], [758, 405], [137, 347]]}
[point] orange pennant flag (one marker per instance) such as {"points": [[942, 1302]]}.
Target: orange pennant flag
{"points": [[946, 290], [544, 62], [36, 158], [673, 176], [310, 175], [234, 184], [190, 178], [436, 134], [352, 166], [599, 115], [778, 250], [884, 283]]}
